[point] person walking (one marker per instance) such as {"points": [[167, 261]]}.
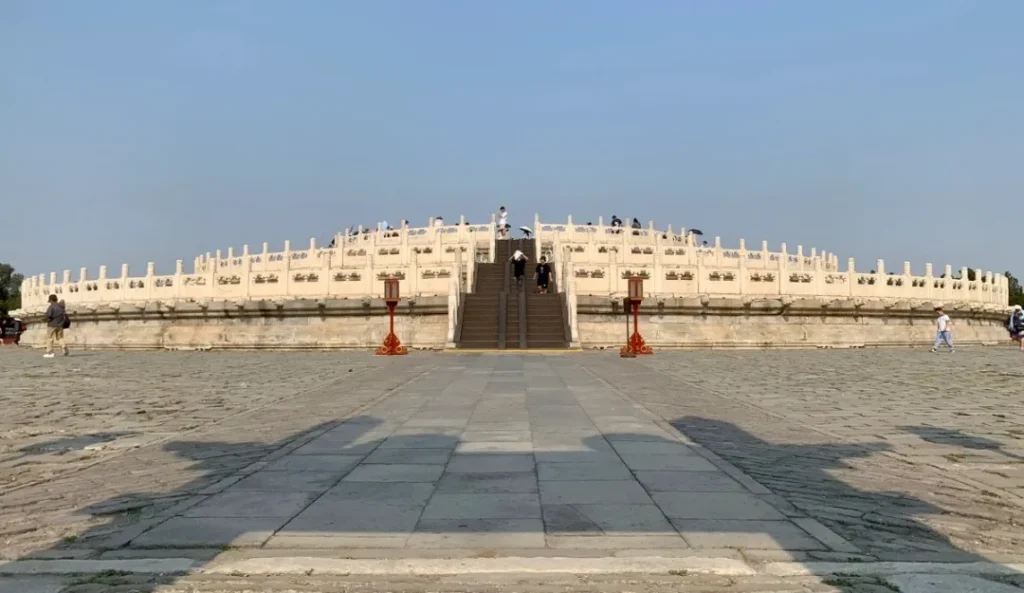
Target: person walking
{"points": [[56, 322], [543, 275], [503, 225], [518, 260], [1015, 325], [945, 331]]}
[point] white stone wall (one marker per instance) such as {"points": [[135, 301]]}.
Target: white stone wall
{"points": [[597, 259]]}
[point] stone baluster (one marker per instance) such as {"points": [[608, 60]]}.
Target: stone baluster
{"points": [[743, 277], [851, 274], [124, 282], [150, 280], [800, 258], [929, 281], [179, 270], [285, 281], [101, 280]]}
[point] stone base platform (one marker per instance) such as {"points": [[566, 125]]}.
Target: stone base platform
{"points": [[714, 323], [252, 325]]}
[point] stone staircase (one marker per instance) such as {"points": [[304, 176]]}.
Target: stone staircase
{"points": [[530, 320]]}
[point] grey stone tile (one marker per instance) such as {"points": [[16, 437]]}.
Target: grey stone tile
{"points": [[488, 483], [495, 447], [339, 464], [582, 471], [676, 481], [185, 532], [407, 456], [294, 540], [638, 543], [294, 481], [668, 463], [423, 441], [478, 533], [343, 517], [329, 447], [652, 448], [492, 436], [947, 583], [394, 492], [594, 492], [483, 506], [715, 505], [395, 473], [576, 456], [499, 426], [608, 519], [490, 463], [758, 535], [247, 503]]}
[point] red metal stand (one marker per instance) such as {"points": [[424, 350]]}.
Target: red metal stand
{"points": [[392, 345], [635, 344]]}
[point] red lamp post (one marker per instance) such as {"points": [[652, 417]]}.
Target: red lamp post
{"points": [[392, 346], [635, 343]]}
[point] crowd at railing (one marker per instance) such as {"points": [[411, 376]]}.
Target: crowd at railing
{"points": [[595, 259]]}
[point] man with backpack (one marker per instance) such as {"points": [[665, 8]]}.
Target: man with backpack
{"points": [[56, 322], [1015, 325]]}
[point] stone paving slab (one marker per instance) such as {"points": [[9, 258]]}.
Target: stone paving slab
{"points": [[763, 453]]}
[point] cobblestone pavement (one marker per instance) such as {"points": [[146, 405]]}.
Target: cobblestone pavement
{"points": [[742, 459]]}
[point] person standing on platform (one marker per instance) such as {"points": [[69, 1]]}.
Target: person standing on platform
{"points": [[503, 225]]}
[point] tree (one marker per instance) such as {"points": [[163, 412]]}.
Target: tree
{"points": [[1016, 291], [10, 288]]}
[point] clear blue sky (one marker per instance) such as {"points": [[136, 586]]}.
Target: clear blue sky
{"points": [[147, 131]]}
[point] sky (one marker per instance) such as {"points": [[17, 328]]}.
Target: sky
{"points": [[153, 131]]}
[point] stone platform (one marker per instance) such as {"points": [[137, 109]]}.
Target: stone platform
{"points": [[816, 471]]}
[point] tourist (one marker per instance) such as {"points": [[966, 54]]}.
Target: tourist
{"points": [[519, 260], [543, 275], [503, 225], [56, 322], [945, 331], [439, 221], [636, 226], [1015, 325]]}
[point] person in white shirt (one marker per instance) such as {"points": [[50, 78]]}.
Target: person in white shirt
{"points": [[503, 223], [944, 333]]}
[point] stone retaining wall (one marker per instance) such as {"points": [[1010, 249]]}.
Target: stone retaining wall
{"points": [[226, 325], [778, 323], [667, 323]]}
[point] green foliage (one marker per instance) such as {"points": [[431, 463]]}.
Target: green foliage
{"points": [[10, 288], [1016, 291]]}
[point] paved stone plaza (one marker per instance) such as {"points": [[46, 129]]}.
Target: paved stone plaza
{"points": [[858, 470]]}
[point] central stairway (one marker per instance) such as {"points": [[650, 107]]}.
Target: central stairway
{"points": [[497, 316]]}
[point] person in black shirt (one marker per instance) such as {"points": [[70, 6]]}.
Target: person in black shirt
{"points": [[543, 275], [518, 260]]}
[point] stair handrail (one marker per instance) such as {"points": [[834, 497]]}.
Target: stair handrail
{"points": [[569, 284], [455, 308]]}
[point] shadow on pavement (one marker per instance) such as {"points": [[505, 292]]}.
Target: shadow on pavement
{"points": [[956, 438], [358, 484]]}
